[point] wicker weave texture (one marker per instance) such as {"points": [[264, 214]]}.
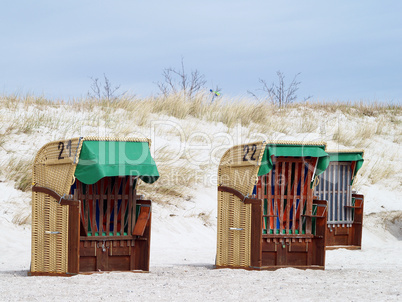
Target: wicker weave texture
{"points": [[54, 168], [238, 169]]}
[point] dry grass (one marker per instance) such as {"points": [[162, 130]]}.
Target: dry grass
{"points": [[355, 125], [18, 170], [3, 140], [343, 135], [356, 135], [227, 111], [360, 108], [381, 169], [206, 217], [397, 138], [23, 216], [174, 185], [200, 106], [177, 178], [308, 123]]}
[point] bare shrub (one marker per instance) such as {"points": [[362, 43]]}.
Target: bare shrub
{"points": [[180, 82], [278, 93], [105, 91]]}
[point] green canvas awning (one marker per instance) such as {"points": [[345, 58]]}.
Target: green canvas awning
{"points": [[296, 150], [99, 159], [348, 156]]}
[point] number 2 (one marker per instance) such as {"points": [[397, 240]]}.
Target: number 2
{"points": [[253, 148], [246, 149], [61, 148]]}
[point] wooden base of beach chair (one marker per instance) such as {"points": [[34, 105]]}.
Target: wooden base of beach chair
{"points": [[275, 251], [347, 237], [345, 209], [297, 253], [115, 226], [293, 222], [346, 247], [118, 253], [112, 255], [304, 251], [343, 237]]}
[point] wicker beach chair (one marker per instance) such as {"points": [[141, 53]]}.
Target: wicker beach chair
{"points": [[267, 215], [345, 207], [86, 215]]}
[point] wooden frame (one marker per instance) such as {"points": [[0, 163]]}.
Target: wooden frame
{"points": [[116, 252], [103, 246], [345, 208], [293, 221]]}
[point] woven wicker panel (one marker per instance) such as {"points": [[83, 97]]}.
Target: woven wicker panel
{"points": [[53, 168], [238, 169]]}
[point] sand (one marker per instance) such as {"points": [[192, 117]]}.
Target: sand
{"points": [[182, 268]]}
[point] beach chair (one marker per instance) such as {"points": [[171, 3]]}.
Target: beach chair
{"points": [[86, 214], [267, 215], [345, 207]]}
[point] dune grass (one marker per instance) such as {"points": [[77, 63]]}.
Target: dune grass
{"points": [[19, 171], [350, 125]]}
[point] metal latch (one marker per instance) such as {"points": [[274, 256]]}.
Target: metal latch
{"points": [[103, 247]]}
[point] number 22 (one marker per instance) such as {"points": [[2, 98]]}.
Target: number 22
{"points": [[246, 150]]}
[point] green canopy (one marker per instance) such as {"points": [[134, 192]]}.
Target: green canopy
{"points": [[296, 150], [99, 159], [350, 156]]}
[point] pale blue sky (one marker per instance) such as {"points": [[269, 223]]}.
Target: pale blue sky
{"points": [[345, 50]]}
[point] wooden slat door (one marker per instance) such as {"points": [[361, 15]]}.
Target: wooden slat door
{"points": [[287, 196], [334, 186], [108, 206]]}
